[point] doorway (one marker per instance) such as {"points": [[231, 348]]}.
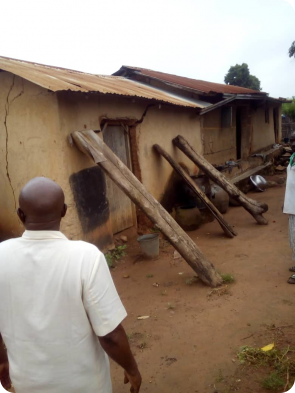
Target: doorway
{"points": [[276, 124], [121, 207], [239, 133]]}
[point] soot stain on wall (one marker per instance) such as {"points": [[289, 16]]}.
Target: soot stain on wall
{"points": [[89, 189]]}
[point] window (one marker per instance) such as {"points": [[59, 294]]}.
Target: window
{"points": [[266, 115], [226, 117]]}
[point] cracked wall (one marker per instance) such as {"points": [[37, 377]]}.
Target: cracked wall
{"points": [[31, 145], [162, 124], [38, 123], [11, 90]]}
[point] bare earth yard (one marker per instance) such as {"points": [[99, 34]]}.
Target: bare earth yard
{"points": [[190, 341]]}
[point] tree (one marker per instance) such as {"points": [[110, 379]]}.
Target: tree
{"points": [[239, 75], [255, 83], [292, 50], [289, 109]]}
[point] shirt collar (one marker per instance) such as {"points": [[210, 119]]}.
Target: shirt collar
{"points": [[42, 235]]}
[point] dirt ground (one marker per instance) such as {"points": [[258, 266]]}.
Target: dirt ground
{"points": [[190, 341]]}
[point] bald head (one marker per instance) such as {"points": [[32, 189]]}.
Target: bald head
{"points": [[41, 204]]}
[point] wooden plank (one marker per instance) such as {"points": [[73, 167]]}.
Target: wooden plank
{"points": [[94, 147], [250, 172]]}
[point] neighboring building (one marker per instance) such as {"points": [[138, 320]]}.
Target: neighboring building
{"points": [[41, 105], [239, 123]]}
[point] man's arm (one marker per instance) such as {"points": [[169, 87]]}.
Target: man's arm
{"points": [[116, 345], [3, 354], [4, 366]]}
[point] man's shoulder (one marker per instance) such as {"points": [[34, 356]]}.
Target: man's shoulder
{"points": [[10, 242], [85, 246]]}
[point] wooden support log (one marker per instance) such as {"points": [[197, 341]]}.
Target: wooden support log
{"points": [[89, 143], [253, 207], [228, 230]]}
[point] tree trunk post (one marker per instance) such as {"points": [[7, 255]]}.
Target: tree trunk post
{"points": [[253, 207], [94, 147], [228, 230]]}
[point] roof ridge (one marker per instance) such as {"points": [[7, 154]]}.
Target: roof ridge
{"points": [[178, 76], [177, 79]]}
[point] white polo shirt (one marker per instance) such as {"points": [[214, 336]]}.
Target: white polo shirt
{"points": [[56, 297]]}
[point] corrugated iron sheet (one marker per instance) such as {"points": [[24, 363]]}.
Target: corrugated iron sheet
{"points": [[199, 85], [57, 79]]}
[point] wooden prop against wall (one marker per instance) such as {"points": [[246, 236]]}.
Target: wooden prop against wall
{"points": [[94, 147], [253, 207], [228, 230]]}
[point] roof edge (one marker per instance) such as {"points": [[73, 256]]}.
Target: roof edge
{"points": [[146, 72]]}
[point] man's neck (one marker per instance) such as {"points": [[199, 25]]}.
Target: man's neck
{"points": [[42, 226]]}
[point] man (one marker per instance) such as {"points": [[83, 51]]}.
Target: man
{"points": [[289, 204], [60, 314]]}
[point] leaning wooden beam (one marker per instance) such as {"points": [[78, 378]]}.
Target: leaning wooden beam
{"points": [[253, 207], [228, 230], [93, 146]]}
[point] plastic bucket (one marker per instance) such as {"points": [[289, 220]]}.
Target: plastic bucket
{"points": [[149, 245]]}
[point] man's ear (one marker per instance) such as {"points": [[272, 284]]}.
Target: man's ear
{"points": [[21, 215], [64, 210]]}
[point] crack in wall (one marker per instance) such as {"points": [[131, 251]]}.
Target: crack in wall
{"points": [[144, 113], [7, 108]]}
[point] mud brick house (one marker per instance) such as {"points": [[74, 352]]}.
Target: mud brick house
{"points": [[131, 110]]}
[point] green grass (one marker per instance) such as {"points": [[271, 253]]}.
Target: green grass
{"points": [[109, 259], [227, 278], [280, 364], [149, 276], [115, 255], [273, 381]]}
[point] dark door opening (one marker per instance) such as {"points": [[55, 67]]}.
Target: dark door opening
{"points": [[238, 134], [275, 124]]}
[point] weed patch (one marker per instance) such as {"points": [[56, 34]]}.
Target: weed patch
{"points": [[282, 366], [227, 278], [115, 255]]}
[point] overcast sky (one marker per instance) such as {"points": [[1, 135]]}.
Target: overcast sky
{"points": [[199, 39]]}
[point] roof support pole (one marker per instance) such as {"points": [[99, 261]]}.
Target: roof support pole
{"points": [[228, 230], [253, 207], [94, 147]]}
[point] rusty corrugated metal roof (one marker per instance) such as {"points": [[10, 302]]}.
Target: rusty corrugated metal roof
{"points": [[57, 79], [195, 84]]}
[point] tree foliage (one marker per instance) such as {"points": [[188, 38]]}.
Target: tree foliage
{"points": [[289, 109], [292, 50], [239, 75]]}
